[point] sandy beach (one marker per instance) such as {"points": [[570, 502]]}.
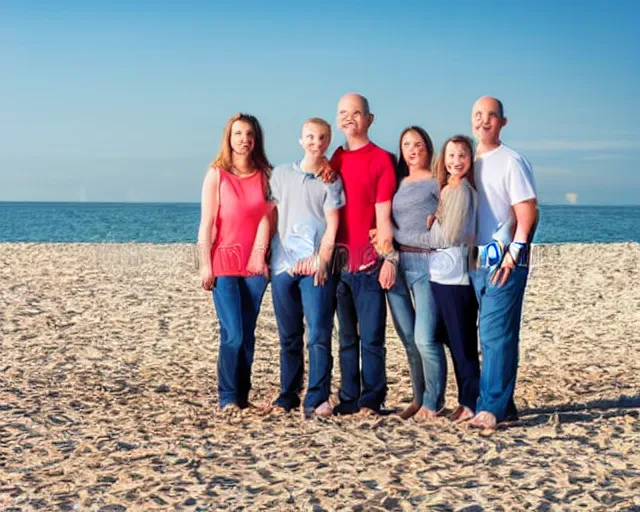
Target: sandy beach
{"points": [[108, 398]]}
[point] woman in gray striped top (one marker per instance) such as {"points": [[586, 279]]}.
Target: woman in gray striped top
{"points": [[411, 300]]}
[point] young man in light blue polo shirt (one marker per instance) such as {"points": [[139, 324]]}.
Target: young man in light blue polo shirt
{"points": [[308, 196]]}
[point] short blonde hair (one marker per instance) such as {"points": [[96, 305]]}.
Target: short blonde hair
{"points": [[317, 121]]}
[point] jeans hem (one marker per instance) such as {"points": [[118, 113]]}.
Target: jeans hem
{"points": [[346, 408], [370, 404], [287, 403]]}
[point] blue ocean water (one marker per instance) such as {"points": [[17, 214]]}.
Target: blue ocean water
{"points": [[178, 222]]}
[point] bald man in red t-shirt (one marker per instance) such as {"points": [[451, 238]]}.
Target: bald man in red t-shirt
{"points": [[368, 175]]}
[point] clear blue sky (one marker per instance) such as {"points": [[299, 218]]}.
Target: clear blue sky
{"points": [[126, 101]]}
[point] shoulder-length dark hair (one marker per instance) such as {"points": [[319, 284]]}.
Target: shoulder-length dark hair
{"points": [[258, 156], [441, 169], [402, 169]]}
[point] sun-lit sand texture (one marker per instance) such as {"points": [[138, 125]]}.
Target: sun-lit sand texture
{"points": [[108, 398]]}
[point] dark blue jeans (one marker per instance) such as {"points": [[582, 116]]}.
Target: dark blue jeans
{"points": [[237, 301], [362, 316], [296, 299], [457, 307], [499, 327]]}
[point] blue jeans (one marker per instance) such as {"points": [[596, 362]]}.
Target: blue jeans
{"points": [[296, 299], [415, 318], [499, 326], [237, 301], [362, 316]]}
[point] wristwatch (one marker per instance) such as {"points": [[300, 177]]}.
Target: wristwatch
{"points": [[392, 257], [516, 249]]}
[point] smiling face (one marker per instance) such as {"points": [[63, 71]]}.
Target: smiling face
{"points": [[242, 139], [457, 159], [414, 150], [315, 139], [354, 118], [487, 120]]}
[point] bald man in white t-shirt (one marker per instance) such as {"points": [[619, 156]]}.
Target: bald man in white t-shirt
{"points": [[507, 216]]}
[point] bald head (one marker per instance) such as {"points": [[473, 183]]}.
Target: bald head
{"points": [[353, 99], [490, 103]]}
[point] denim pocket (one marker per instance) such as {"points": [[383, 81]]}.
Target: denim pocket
{"points": [[517, 278]]}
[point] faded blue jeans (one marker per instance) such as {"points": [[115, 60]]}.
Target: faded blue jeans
{"points": [[415, 318], [237, 301], [499, 326]]}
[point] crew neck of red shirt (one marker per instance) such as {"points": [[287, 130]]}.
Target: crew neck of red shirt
{"points": [[368, 146]]}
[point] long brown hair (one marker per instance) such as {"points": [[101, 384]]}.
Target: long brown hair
{"points": [[259, 158], [402, 169], [441, 169]]}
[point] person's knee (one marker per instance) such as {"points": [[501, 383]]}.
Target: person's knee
{"points": [[426, 342], [232, 340], [372, 330], [292, 342], [347, 327], [497, 334], [411, 347], [373, 339], [318, 336]]}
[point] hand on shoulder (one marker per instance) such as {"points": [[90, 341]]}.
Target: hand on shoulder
{"points": [[326, 173]]}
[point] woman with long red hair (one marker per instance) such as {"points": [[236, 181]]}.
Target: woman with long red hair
{"points": [[233, 238]]}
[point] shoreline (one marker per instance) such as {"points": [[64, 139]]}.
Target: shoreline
{"points": [[162, 244]]}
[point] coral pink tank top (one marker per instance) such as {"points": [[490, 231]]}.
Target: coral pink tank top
{"points": [[242, 206]]}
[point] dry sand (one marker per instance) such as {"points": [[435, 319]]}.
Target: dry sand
{"points": [[107, 398]]}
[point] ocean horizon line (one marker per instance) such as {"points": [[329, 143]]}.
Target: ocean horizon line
{"points": [[580, 205]]}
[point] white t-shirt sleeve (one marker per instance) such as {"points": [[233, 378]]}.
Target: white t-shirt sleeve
{"points": [[519, 181]]}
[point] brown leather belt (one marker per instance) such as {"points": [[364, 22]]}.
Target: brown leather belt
{"points": [[407, 248]]}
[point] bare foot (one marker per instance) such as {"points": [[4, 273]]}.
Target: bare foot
{"points": [[484, 420], [272, 410], [269, 406], [324, 410], [230, 411], [425, 415], [365, 412], [410, 411], [460, 414], [277, 411]]}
